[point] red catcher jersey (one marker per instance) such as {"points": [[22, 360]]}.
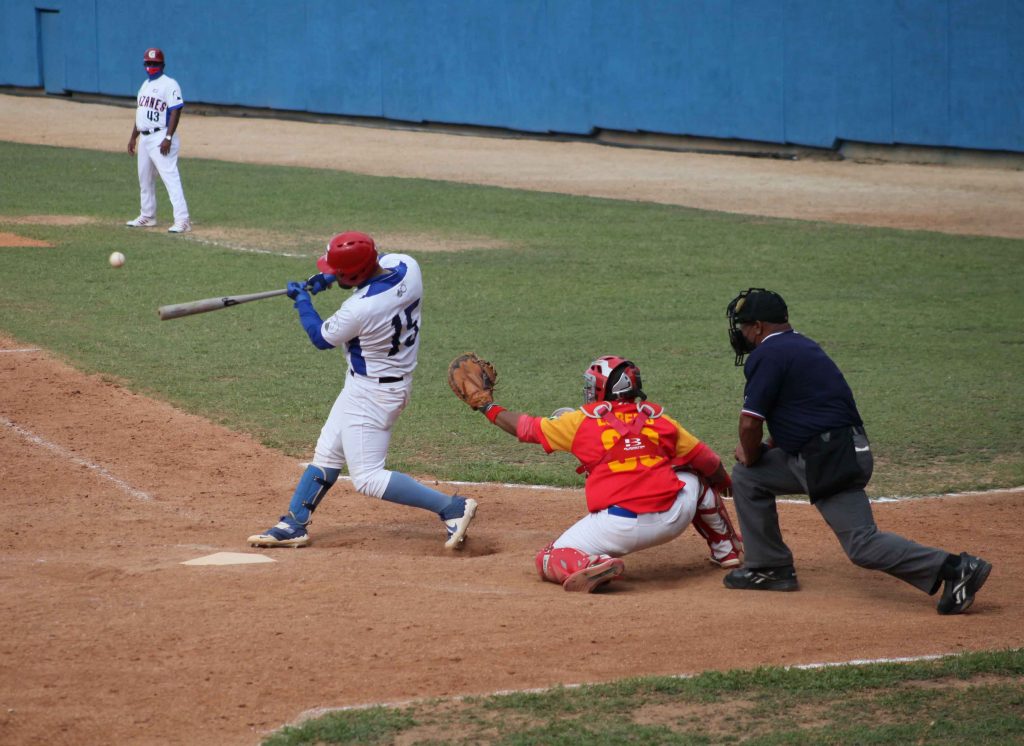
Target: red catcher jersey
{"points": [[636, 475]]}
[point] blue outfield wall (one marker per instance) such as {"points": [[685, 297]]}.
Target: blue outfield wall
{"points": [[806, 72]]}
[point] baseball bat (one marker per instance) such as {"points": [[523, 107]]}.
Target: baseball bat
{"points": [[191, 308]]}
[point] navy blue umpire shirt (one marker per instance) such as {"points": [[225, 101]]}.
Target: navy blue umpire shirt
{"points": [[797, 389]]}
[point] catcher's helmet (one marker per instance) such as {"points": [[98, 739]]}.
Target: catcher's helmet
{"points": [[351, 257], [609, 378], [753, 304], [153, 56]]}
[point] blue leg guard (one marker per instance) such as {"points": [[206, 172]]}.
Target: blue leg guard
{"points": [[405, 490], [312, 487]]}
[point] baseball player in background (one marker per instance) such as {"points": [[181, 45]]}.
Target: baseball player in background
{"points": [[379, 327], [647, 478], [157, 114]]}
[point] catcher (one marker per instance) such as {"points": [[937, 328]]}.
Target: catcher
{"points": [[647, 477]]}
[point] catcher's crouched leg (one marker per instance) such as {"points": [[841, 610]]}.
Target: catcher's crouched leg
{"points": [[713, 523], [575, 570]]}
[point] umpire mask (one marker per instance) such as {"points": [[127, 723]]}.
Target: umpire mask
{"points": [[753, 304]]}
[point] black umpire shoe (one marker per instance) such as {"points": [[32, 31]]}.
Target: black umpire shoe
{"points": [[958, 592], [762, 579]]}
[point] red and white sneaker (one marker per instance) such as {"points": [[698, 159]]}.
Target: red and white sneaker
{"points": [[601, 570]]}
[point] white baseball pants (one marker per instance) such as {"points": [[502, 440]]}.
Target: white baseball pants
{"points": [[358, 431], [604, 533], [150, 163]]}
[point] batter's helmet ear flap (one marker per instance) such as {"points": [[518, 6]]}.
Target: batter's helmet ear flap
{"points": [[351, 257]]}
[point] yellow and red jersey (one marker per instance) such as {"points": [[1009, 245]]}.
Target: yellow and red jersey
{"points": [[629, 463]]}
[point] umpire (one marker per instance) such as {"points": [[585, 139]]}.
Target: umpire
{"points": [[817, 447]]}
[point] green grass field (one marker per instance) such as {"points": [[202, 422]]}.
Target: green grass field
{"points": [[924, 325], [976, 698]]}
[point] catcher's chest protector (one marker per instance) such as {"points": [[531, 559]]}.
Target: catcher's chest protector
{"points": [[632, 442]]}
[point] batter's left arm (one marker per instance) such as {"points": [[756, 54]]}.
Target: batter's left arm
{"points": [[309, 319]]}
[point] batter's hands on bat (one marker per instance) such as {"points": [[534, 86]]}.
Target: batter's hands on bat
{"points": [[319, 282], [297, 291]]}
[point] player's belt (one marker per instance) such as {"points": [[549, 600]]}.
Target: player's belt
{"points": [[150, 132], [383, 379], [621, 512]]}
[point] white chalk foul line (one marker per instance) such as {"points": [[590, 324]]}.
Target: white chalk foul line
{"points": [[246, 249], [790, 501], [23, 349], [870, 661], [900, 498], [64, 453]]}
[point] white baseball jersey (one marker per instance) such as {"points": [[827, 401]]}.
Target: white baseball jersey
{"points": [[380, 324], [155, 99]]}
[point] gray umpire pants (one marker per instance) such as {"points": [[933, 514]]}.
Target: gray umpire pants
{"points": [[847, 513]]}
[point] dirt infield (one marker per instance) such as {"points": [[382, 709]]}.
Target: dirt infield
{"points": [[13, 239], [110, 639]]}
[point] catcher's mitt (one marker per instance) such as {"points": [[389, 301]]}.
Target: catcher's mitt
{"points": [[472, 379]]}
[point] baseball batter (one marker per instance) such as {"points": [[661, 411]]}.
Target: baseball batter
{"points": [[647, 478], [379, 328], [157, 114]]}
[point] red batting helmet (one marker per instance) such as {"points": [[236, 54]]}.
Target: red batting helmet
{"points": [[153, 55], [611, 377], [351, 257]]}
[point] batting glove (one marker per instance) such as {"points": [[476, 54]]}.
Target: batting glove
{"points": [[296, 290], [319, 282]]}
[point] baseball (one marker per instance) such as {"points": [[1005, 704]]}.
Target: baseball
{"points": [[117, 259]]}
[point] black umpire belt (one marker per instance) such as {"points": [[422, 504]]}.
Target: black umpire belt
{"points": [[150, 132], [383, 379]]}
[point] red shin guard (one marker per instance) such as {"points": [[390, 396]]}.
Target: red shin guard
{"points": [[711, 520], [575, 570]]}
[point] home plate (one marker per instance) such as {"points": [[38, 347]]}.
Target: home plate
{"points": [[229, 558]]}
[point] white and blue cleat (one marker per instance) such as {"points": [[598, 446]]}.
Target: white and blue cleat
{"points": [[286, 533], [457, 527]]}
